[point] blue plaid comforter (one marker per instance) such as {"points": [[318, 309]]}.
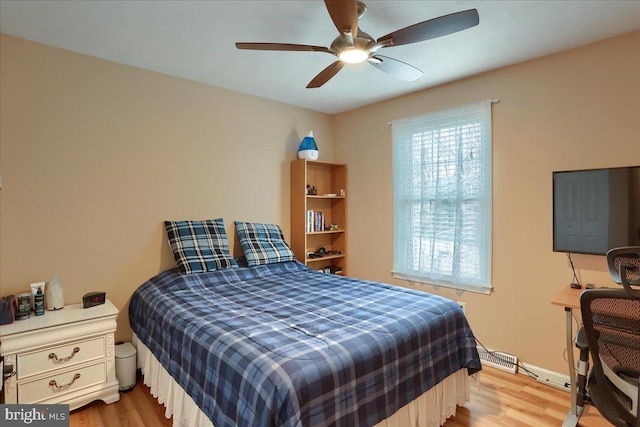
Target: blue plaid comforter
{"points": [[284, 345]]}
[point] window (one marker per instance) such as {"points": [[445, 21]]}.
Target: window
{"points": [[442, 198]]}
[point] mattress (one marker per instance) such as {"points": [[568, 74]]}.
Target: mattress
{"points": [[284, 345]]}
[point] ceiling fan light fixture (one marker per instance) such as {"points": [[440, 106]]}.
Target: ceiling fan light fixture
{"points": [[354, 46], [353, 56]]}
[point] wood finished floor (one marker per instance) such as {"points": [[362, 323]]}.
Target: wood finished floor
{"points": [[499, 399]]}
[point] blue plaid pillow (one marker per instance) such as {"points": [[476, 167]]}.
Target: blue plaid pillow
{"points": [[199, 246], [263, 243]]}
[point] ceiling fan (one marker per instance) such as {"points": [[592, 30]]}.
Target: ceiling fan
{"points": [[353, 45]]}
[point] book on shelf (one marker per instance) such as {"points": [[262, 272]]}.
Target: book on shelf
{"points": [[315, 221]]}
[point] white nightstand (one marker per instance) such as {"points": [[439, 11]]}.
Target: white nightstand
{"points": [[66, 356]]}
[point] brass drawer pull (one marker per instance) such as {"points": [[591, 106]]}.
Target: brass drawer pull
{"points": [[60, 387], [64, 359]]}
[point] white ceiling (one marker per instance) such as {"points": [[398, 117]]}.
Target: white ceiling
{"points": [[195, 40]]}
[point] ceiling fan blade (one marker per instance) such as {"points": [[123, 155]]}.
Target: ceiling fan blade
{"points": [[344, 15], [283, 46], [432, 28], [396, 68], [325, 75]]}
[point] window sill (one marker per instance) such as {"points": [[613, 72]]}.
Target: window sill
{"points": [[486, 290]]}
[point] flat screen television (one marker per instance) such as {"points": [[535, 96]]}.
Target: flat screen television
{"points": [[596, 210]]}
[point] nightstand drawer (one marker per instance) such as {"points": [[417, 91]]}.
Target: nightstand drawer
{"points": [[80, 342], [60, 357], [61, 383]]}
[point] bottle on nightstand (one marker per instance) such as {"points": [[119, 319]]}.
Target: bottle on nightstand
{"points": [[38, 302]]}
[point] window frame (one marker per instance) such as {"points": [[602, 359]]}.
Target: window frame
{"points": [[415, 264]]}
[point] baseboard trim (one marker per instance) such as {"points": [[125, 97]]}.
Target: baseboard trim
{"points": [[547, 377]]}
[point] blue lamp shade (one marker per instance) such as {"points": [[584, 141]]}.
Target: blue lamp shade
{"points": [[308, 148]]}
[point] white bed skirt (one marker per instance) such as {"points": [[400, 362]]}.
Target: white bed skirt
{"points": [[431, 409]]}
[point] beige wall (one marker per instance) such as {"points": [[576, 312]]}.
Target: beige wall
{"points": [[577, 109], [95, 155]]}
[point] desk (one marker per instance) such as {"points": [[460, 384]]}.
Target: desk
{"points": [[569, 298]]}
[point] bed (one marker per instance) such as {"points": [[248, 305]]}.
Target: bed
{"points": [[283, 345]]}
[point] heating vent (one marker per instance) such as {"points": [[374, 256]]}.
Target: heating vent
{"points": [[498, 359]]}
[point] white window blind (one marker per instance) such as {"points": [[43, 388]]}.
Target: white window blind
{"points": [[442, 197]]}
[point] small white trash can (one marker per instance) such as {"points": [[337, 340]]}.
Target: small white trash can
{"points": [[126, 366]]}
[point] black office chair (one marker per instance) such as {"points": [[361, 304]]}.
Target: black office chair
{"points": [[629, 255], [611, 319]]}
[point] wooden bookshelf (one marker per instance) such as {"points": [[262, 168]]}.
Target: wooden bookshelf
{"points": [[327, 178]]}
